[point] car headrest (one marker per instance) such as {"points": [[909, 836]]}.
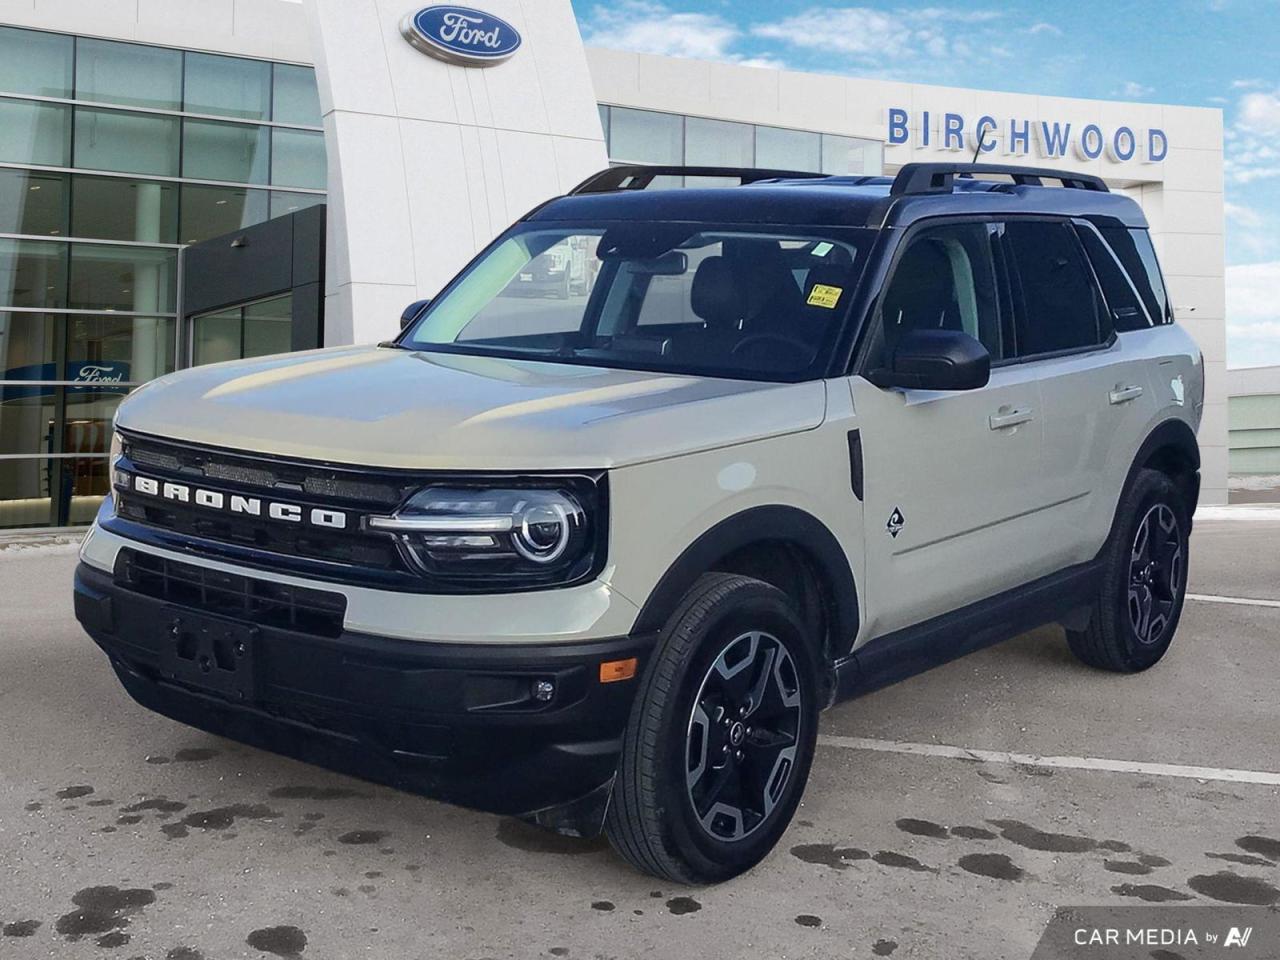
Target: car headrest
{"points": [[716, 296]]}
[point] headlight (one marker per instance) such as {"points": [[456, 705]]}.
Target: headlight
{"points": [[490, 537], [119, 478]]}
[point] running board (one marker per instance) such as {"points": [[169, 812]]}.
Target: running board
{"points": [[1064, 597]]}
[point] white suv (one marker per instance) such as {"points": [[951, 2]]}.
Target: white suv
{"points": [[599, 561]]}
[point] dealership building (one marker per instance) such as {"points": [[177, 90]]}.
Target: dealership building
{"points": [[186, 181]]}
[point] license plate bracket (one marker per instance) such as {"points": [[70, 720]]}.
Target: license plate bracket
{"points": [[210, 653]]}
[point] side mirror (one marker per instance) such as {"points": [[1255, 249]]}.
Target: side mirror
{"points": [[413, 311], [936, 360]]}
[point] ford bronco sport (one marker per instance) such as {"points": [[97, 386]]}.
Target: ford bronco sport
{"points": [[599, 561]]}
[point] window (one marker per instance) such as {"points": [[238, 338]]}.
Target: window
{"points": [[33, 273], [212, 211], [33, 202], [126, 142], [298, 159], [1053, 288], [112, 208], [237, 152], [36, 63], [1123, 303], [118, 349], [642, 136], [268, 326], [849, 156], [216, 337], [129, 279], [227, 86], [27, 346], [37, 133], [718, 143], [945, 280], [252, 330], [297, 99], [676, 297], [788, 149], [129, 74], [283, 204], [1133, 247], [26, 499]]}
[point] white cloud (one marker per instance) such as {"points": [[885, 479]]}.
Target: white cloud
{"points": [[1049, 28], [1132, 90], [877, 38], [1245, 216], [1251, 296], [1253, 314], [654, 28], [1251, 151], [1259, 112], [648, 27]]}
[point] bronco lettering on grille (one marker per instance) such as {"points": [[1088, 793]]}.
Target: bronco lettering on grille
{"points": [[234, 503]]}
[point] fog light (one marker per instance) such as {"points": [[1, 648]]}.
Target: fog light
{"points": [[543, 690]]}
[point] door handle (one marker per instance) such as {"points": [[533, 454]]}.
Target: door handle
{"points": [[1125, 394], [1002, 421]]}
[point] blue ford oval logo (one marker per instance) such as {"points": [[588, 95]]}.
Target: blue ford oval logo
{"points": [[461, 35]]}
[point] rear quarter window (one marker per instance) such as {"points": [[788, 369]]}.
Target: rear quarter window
{"points": [[1134, 249]]}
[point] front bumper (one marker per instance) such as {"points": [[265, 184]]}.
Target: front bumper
{"points": [[452, 721]]}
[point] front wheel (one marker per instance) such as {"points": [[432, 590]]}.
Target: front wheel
{"points": [[1144, 580], [721, 738]]}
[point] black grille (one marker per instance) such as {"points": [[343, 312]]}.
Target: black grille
{"points": [[242, 598], [355, 492]]}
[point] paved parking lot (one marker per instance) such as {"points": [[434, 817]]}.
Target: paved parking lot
{"points": [[125, 835]]}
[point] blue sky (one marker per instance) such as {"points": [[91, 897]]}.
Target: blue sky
{"points": [[1213, 53]]}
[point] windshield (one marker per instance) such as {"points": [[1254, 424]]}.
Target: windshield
{"points": [[680, 297]]}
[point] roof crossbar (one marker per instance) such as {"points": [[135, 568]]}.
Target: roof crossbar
{"points": [[917, 178], [638, 176]]}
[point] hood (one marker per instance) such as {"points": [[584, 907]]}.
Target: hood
{"points": [[437, 411]]}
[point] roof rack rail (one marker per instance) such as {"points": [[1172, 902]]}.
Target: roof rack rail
{"points": [[916, 178], [638, 176]]}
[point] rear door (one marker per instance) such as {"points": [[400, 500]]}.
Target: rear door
{"points": [[1094, 387], [950, 476]]}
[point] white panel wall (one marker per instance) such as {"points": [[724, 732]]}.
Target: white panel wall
{"points": [[271, 29], [1182, 196], [428, 161]]}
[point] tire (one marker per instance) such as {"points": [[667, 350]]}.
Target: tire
{"points": [[1144, 580], [732, 641]]}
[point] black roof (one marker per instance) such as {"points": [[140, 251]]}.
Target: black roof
{"points": [[919, 191]]}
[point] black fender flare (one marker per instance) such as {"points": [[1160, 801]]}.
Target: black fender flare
{"points": [[769, 524], [1175, 434]]}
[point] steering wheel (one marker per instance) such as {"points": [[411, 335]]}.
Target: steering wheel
{"points": [[802, 351]]}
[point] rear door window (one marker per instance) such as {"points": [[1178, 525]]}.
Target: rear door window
{"points": [[1054, 292]]}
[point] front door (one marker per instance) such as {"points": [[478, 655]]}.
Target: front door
{"points": [[951, 477]]}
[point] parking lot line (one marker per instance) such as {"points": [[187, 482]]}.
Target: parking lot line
{"points": [[1242, 601], [1033, 760]]}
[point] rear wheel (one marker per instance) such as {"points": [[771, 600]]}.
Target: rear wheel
{"points": [[721, 738], [1144, 580]]}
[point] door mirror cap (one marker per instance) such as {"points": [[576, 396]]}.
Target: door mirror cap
{"points": [[935, 360], [413, 311]]}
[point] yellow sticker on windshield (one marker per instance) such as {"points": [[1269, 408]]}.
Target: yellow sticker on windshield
{"points": [[824, 296]]}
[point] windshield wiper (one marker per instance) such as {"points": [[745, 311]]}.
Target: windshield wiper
{"points": [[394, 345]]}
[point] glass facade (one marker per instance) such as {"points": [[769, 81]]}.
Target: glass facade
{"points": [[647, 136], [112, 156], [251, 330]]}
